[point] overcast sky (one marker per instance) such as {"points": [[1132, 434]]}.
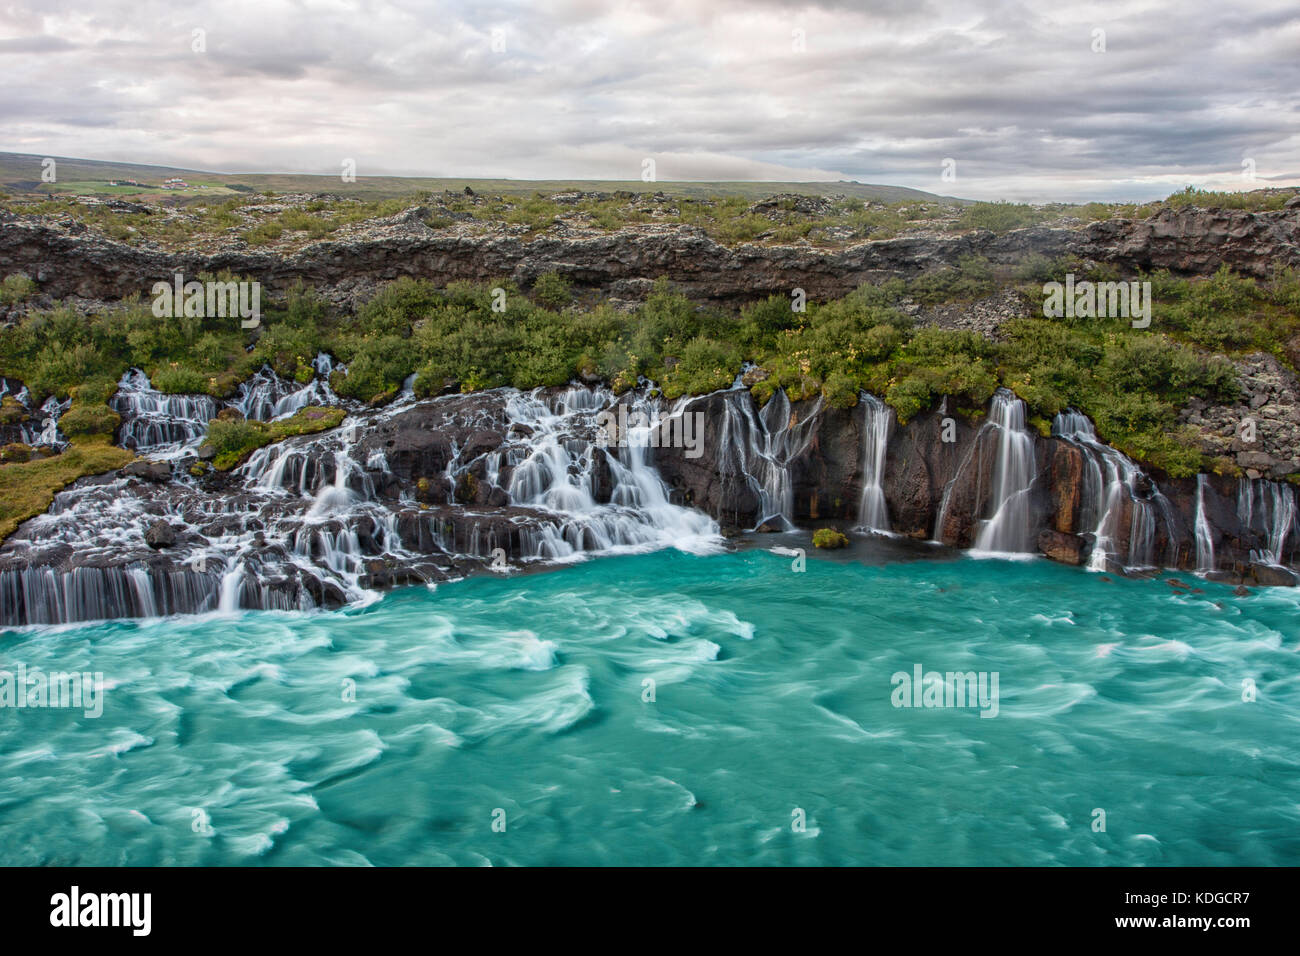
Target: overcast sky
{"points": [[1015, 93]]}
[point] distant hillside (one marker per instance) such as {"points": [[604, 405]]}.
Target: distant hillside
{"points": [[21, 173]]}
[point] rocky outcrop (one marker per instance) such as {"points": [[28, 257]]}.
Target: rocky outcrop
{"points": [[1196, 241], [624, 263], [1261, 432]]}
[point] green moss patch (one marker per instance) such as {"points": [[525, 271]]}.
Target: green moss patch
{"points": [[28, 488], [234, 440]]}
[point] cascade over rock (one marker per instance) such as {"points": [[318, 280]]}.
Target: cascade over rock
{"points": [[423, 491]]}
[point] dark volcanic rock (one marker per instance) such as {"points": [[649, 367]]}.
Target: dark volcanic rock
{"points": [[160, 535], [156, 471], [624, 263], [1270, 574]]}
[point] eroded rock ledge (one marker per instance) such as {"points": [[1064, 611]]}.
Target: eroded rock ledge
{"points": [[623, 264]]}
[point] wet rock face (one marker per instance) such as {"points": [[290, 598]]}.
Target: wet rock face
{"points": [[160, 535], [429, 490], [1062, 547], [924, 459]]}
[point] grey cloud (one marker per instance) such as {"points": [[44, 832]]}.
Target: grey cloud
{"points": [[40, 43], [884, 91]]}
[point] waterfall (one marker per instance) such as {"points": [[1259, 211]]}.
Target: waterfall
{"points": [[1204, 536], [159, 425], [873, 513], [34, 430], [266, 396], [163, 426], [555, 469], [302, 525], [49, 435], [1112, 483], [1008, 529], [757, 449], [1268, 508]]}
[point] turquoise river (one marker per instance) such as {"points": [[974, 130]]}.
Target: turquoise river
{"points": [[675, 708]]}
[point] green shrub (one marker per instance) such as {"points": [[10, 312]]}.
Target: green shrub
{"points": [[178, 380], [841, 390], [909, 397], [16, 288], [552, 290], [705, 365], [1000, 216], [231, 439]]}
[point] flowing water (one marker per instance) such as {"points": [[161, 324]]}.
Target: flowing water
{"points": [[1270, 508], [305, 520], [400, 731], [758, 447], [1112, 485], [1204, 534], [1008, 529], [158, 425], [873, 512], [266, 396]]}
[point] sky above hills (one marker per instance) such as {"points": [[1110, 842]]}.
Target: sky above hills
{"points": [[1026, 101]]}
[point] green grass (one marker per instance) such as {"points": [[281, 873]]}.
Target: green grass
{"points": [[28, 488], [235, 439], [1257, 200]]}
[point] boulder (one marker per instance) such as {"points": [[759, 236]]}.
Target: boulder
{"points": [[160, 535], [156, 471], [1272, 575], [1062, 546]]}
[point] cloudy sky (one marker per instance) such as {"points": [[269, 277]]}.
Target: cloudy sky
{"points": [[1053, 99]]}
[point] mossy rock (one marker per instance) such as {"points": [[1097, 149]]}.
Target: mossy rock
{"points": [[466, 488], [28, 488], [16, 451], [829, 538], [89, 420], [11, 411]]}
